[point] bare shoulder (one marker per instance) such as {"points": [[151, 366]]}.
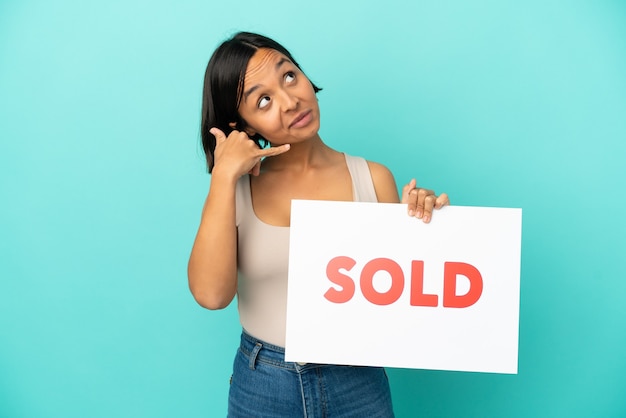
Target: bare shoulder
{"points": [[384, 183]]}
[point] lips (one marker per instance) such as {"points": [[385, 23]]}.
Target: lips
{"points": [[302, 119]]}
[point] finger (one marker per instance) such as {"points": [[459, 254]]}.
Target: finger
{"points": [[421, 201], [429, 204], [442, 200], [412, 199], [406, 189], [273, 151], [218, 134]]}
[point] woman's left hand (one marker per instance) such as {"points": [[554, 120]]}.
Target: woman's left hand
{"points": [[421, 202]]}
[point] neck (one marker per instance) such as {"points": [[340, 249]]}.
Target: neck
{"points": [[302, 156]]}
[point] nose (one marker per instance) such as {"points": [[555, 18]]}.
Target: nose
{"points": [[288, 101]]}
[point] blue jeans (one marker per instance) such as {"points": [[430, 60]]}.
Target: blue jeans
{"points": [[264, 385]]}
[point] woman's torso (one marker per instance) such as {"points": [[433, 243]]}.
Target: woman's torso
{"points": [[263, 251]]}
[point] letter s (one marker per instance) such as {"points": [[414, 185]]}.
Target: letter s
{"points": [[343, 280]]}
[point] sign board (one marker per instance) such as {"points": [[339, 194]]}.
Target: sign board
{"points": [[371, 286]]}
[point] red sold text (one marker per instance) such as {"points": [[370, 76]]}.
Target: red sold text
{"points": [[417, 297]]}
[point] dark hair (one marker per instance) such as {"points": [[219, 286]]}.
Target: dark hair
{"points": [[223, 87]]}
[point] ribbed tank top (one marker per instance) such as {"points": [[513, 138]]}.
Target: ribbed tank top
{"points": [[263, 258]]}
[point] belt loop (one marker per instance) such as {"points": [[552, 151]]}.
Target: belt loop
{"points": [[254, 354]]}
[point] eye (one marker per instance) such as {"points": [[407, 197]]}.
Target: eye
{"points": [[263, 101], [290, 77]]}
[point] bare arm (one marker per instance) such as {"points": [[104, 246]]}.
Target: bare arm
{"points": [[384, 183], [212, 268]]}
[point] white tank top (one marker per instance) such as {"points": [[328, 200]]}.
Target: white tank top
{"points": [[263, 258]]}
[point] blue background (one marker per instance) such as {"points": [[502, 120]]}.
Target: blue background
{"points": [[102, 179]]}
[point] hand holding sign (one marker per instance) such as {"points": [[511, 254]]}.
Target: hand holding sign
{"points": [[421, 202]]}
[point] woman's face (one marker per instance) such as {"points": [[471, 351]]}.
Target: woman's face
{"points": [[278, 101]]}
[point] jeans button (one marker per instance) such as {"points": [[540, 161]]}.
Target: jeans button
{"points": [[300, 364]]}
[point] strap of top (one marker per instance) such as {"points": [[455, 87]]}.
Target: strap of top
{"points": [[362, 184]]}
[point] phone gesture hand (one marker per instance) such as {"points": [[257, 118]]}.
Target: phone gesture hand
{"points": [[237, 154]]}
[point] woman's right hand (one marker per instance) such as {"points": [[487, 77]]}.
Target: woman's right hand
{"points": [[237, 154]]}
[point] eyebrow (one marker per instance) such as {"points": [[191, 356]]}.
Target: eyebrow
{"points": [[257, 86]]}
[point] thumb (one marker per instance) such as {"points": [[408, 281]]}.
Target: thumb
{"points": [[407, 189]]}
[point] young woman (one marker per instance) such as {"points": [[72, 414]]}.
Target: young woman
{"points": [[255, 94]]}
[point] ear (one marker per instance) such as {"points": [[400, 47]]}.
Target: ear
{"points": [[251, 132]]}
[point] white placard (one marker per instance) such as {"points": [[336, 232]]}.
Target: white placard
{"points": [[371, 286]]}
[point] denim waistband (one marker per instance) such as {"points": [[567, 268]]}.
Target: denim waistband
{"points": [[247, 340], [259, 351]]}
